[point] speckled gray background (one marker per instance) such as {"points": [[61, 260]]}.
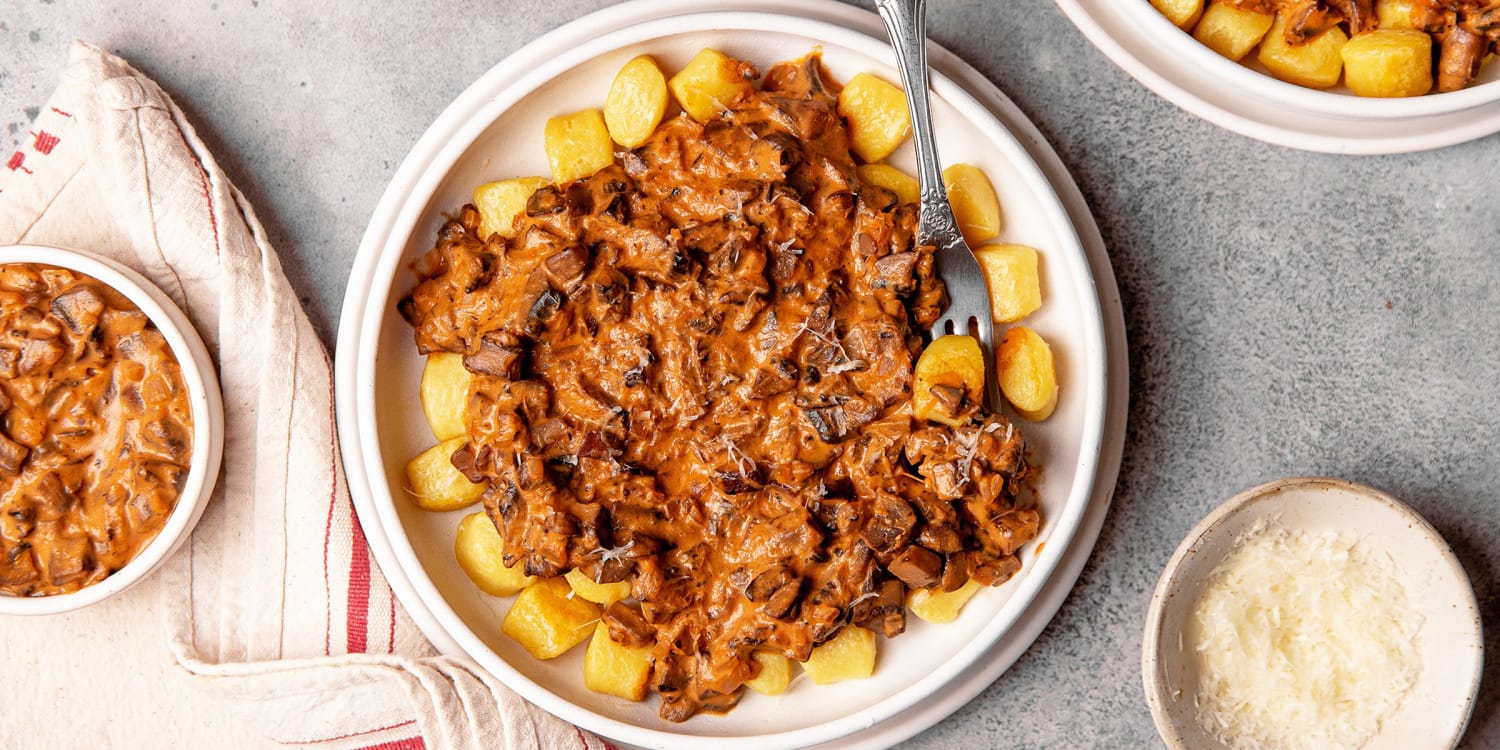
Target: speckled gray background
{"points": [[1288, 313]]}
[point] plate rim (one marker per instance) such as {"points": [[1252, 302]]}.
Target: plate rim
{"points": [[357, 322]]}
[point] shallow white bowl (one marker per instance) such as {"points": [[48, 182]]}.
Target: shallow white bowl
{"points": [[1452, 652], [494, 130], [1246, 100], [208, 422]]}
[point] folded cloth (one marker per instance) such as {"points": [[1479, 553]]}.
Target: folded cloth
{"points": [[276, 606]]}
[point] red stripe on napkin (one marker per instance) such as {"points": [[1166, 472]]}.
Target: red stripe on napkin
{"points": [[208, 198], [391, 636], [410, 743], [352, 735], [44, 142], [327, 585], [333, 501], [359, 589]]}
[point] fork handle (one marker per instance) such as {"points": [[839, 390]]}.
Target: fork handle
{"points": [[905, 22]]}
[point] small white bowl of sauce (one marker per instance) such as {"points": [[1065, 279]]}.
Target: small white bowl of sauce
{"points": [[1309, 612], [111, 428]]}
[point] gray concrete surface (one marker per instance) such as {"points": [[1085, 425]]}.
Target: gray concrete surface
{"points": [[1288, 313]]}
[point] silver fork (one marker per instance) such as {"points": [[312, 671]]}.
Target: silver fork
{"points": [[968, 310]]}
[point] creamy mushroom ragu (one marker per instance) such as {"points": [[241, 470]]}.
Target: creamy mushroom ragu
{"points": [[694, 372], [97, 430]]}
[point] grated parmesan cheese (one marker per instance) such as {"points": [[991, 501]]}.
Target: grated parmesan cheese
{"points": [[1303, 641]]}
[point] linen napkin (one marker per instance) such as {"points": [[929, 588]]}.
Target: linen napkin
{"points": [[275, 606]]}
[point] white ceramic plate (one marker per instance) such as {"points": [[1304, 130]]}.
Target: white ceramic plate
{"points": [[1452, 651], [1149, 48], [204, 397], [493, 130]]}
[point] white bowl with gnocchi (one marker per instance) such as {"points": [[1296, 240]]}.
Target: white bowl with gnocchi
{"points": [[442, 550]]}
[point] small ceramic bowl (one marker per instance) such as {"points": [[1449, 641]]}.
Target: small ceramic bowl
{"points": [[208, 422], [1449, 642]]}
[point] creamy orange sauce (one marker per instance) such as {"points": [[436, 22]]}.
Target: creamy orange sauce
{"points": [[97, 430]]}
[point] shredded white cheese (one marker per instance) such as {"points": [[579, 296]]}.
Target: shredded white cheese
{"points": [[968, 450], [1303, 640]]}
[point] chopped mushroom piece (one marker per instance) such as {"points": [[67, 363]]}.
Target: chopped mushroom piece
{"points": [[1460, 52], [918, 567], [12, 454], [627, 626]]}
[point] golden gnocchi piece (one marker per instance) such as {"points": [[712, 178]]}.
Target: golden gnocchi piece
{"points": [[1388, 63], [775, 673], [598, 593], [547, 620], [906, 187], [578, 145], [709, 83], [481, 553], [937, 606], [1394, 14], [850, 655], [1230, 31], [975, 205], [636, 101], [1015, 284], [1184, 13], [435, 484], [444, 392], [500, 202], [948, 362], [1316, 64], [1028, 376], [878, 118], [616, 669]]}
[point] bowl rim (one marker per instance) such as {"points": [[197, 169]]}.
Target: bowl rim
{"points": [[204, 396], [1337, 104], [470, 114], [1154, 684]]}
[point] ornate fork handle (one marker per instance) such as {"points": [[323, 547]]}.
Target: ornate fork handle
{"points": [[968, 309], [904, 20]]}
